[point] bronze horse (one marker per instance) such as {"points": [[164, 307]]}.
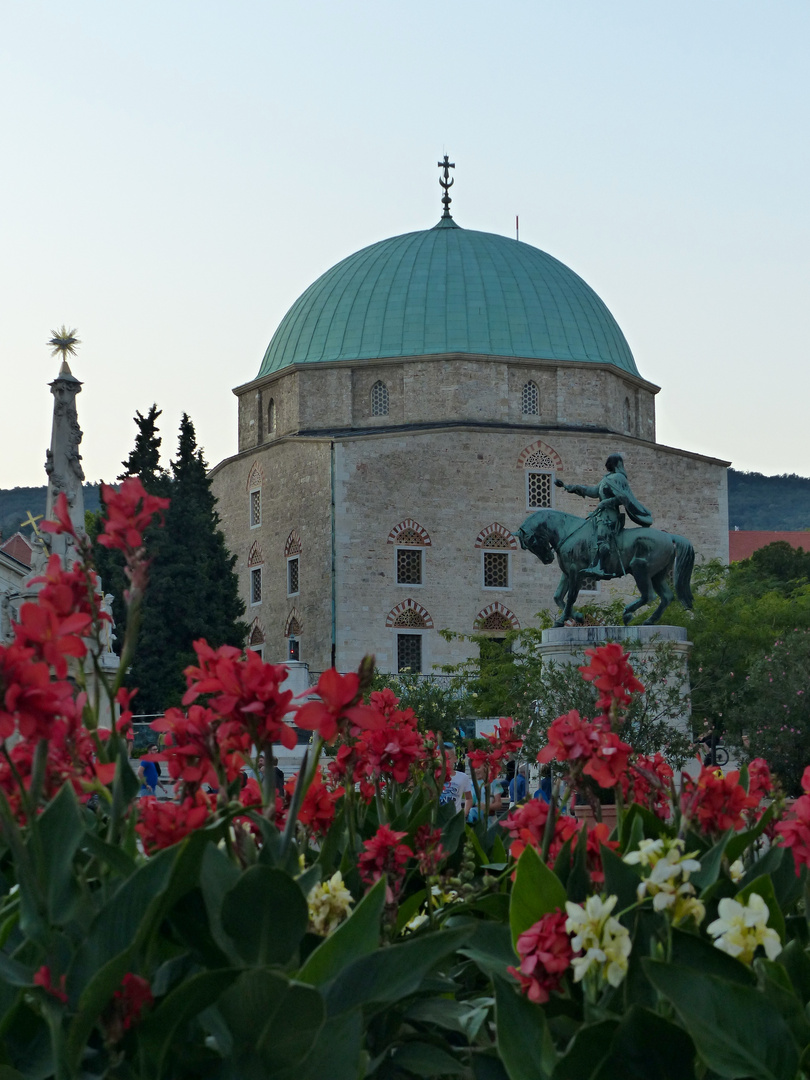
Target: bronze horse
{"points": [[648, 555]]}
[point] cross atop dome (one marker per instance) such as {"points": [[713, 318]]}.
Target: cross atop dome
{"points": [[446, 183]]}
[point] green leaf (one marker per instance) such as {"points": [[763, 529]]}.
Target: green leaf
{"points": [[217, 875], [272, 1019], [737, 1031], [742, 840], [639, 824], [499, 853], [335, 1054], [578, 885], [776, 985], [424, 1059], [59, 830], [491, 948], [710, 863], [589, 1048], [536, 892], [409, 907], [265, 914], [693, 951], [358, 936], [393, 973], [763, 886], [787, 884], [646, 1046], [110, 854], [796, 962], [156, 1033], [621, 879], [453, 833], [524, 1042]]}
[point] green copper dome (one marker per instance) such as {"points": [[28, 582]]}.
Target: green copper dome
{"points": [[448, 290]]}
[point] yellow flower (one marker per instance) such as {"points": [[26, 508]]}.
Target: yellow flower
{"points": [[741, 928], [667, 880], [605, 944], [736, 870], [329, 904]]}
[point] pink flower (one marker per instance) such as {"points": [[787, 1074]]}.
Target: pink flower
{"points": [[545, 955], [384, 854]]}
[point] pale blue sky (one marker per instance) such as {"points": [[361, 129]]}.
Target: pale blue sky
{"points": [[173, 175]]}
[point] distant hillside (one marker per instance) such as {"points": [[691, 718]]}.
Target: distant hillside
{"points": [[754, 502], [768, 502], [16, 502]]}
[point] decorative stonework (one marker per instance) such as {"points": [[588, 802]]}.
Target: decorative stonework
{"points": [[292, 627], [409, 613], [63, 462], [255, 634], [540, 455], [409, 532], [496, 536], [293, 545], [496, 617], [255, 557], [255, 477]]}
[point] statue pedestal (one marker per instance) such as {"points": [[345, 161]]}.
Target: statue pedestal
{"points": [[567, 645]]}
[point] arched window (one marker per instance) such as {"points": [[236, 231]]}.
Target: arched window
{"points": [[271, 416], [379, 399], [539, 481], [292, 632], [530, 399], [256, 638]]}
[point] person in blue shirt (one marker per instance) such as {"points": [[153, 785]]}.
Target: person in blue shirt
{"points": [[544, 791], [518, 786], [149, 776]]}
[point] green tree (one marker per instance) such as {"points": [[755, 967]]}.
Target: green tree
{"points": [[193, 590]]}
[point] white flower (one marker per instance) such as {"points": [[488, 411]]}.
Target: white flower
{"points": [[742, 927], [415, 922], [667, 880], [736, 870], [605, 944], [329, 904]]}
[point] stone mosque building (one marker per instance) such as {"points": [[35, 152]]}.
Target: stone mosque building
{"points": [[414, 406]]}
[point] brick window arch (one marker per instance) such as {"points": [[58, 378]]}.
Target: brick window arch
{"points": [[496, 536], [409, 614], [496, 617], [293, 545], [256, 635], [379, 399], [255, 557], [255, 477], [540, 464], [530, 399], [292, 627], [409, 532]]}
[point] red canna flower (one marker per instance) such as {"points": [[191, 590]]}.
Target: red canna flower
{"points": [[545, 955], [160, 824], [129, 511], [429, 851], [608, 763], [30, 701], [62, 524], [132, 998], [43, 978], [246, 692], [51, 637], [338, 694], [648, 782], [570, 738], [384, 854], [608, 669], [319, 804], [716, 802]]}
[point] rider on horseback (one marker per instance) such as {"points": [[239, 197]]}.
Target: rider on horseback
{"points": [[613, 492]]}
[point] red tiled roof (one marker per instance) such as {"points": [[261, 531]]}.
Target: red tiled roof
{"points": [[743, 543], [18, 548]]}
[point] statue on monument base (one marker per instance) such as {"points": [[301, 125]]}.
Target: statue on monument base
{"points": [[600, 546]]}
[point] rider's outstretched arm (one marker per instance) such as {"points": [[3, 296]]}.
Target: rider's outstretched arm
{"points": [[584, 490]]}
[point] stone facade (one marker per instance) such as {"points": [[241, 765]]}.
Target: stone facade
{"points": [[451, 458]]}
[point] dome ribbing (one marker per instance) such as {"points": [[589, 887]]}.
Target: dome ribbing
{"points": [[448, 290]]}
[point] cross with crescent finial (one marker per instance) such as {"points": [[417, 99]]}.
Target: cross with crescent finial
{"points": [[446, 183], [32, 521]]}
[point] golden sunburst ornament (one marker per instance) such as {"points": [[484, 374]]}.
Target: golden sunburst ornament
{"points": [[64, 342]]}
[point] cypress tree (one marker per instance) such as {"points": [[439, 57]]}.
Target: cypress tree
{"points": [[193, 589]]}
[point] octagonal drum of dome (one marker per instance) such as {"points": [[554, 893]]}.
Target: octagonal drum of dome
{"points": [[448, 290]]}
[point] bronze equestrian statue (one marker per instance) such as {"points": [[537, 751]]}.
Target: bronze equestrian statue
{"points": [[599, 546]]}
